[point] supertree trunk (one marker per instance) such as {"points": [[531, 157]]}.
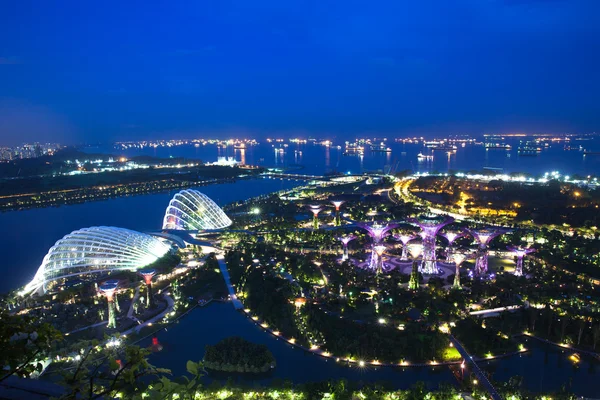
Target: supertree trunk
{"points": [[456, 284], [481, 263], [112, 321], [519, 267], [428, 264], [413, 283], [149, 299], [404, 255]]}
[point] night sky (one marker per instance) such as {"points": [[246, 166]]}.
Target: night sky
{"points": [[86, 71]]}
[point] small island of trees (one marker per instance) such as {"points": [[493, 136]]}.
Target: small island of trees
{"points": [[234, 354]]}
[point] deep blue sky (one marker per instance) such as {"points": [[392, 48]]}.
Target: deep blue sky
{"points": [[101, 70]]}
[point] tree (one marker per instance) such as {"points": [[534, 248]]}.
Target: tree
{"points": [[103, 371], [25, 344]]}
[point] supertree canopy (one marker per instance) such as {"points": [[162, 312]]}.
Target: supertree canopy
{"points": [[377, 232], [520, 253], [451, 236], [484, 237], [458, 259], [338, 217], [430, 226], [345, 240], [404, 238], [315, 211], [148, 274], [108, 290]]}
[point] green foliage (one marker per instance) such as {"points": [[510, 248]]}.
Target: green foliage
{"points": [[24, 344], [235, 354]]}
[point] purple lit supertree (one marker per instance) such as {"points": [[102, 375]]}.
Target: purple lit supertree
{"points": [[451, 236], [148, 274], [108, 290], [345, 240], [404, 238], [379, 249], [484, 237], [430, 226], [520, 253], [338, 217], [377, 233]]}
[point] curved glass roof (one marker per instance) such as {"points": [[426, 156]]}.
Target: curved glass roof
{"points": [[192, 210], [95, 250]]}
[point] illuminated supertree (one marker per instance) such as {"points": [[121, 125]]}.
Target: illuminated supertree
{"points": [[338, 217], [345, 240], [377, 233], [379, 249], [484, 237], [404, 238], [430, 226], [108, 290], [415, 250], [148, 274], [115, 298], [315, 210], [520, 253], [451, 236], [458, 259]]}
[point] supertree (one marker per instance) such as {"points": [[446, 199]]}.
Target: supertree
{"points": [[458, 259], [377, 233], [148, 274], [520, 253], [108, 290], [430, 226], [345, 240], [315, 210], [115, 297], [338, 217], [415, 250], [484, 237], [404, 238], [451, 236], [379, 249]]}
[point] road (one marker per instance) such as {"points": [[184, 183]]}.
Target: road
{"points": [[481, 376]]}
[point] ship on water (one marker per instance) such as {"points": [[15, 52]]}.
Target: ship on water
{"points": [[497, 146]]}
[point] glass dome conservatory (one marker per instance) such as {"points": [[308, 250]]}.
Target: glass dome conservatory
{"points": [[192, 210], [96, 250]]}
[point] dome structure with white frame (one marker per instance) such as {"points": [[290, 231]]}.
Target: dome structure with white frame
{"points": [[98, 249], [191, 210]]}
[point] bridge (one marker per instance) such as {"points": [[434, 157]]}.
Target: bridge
{"points": [[298, 177], [476, 370], [494, 312]]}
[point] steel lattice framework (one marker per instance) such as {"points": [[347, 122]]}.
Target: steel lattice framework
{"points": [[95, 250], [430, 226], [192, 210]]}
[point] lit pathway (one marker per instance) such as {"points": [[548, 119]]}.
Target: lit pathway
{"points": [[170, 306], [237, 304], [87, 327], [476, 370], [130, 311]]}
